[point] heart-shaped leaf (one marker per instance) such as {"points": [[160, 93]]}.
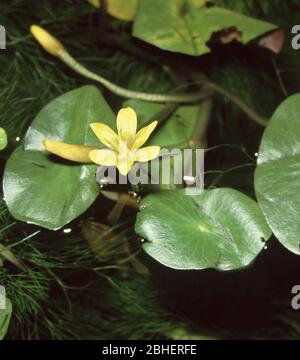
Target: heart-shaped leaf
{"points": [[185, 26], [277, 177], [5, 315], [220, 228], [42, 189]]}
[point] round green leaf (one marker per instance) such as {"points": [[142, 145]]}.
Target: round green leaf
{"points": [[277, 177], [42, 189], [186, 26], [3, 139], [220, 228], [5, 315], [68, 118]]}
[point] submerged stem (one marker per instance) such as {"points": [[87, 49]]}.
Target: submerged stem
{"points": [[253, 115]]}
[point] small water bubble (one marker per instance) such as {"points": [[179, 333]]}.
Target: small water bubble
{"points": [[142, 240], [133, 193], [256, 154], [143, 207], [67, 230], [138, 199], [18, 138], [265, 247]]}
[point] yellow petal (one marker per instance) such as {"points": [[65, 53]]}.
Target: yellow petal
{"points": [[78, 153], [46, 40], [124, 165], [106, 135], [143, 135], [127, 124], [103, 157], [147, 153]]}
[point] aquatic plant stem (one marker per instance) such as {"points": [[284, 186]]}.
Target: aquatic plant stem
{"points": [[126, 93], [253, 115], [170, 98]]}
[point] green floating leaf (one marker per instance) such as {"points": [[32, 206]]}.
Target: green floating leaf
{"points": [[5, 315], [3, 139], [220, 228], [277, 177], [42, 189], [185, 26]]}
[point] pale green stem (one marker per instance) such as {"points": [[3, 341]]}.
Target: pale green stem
{"points": [[170, 98], [126, 93]]}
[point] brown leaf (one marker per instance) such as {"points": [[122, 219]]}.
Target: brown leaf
{"points": [[226, 36], [110, 246], [273, 41], [6, 254]]}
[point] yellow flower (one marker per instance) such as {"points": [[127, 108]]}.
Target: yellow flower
{"points": [[124, 148]]}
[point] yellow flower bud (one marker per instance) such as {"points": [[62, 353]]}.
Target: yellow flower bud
{"points": [[46, 40], [77, 153], [96, 3], [120, 9], [123, 10]]}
